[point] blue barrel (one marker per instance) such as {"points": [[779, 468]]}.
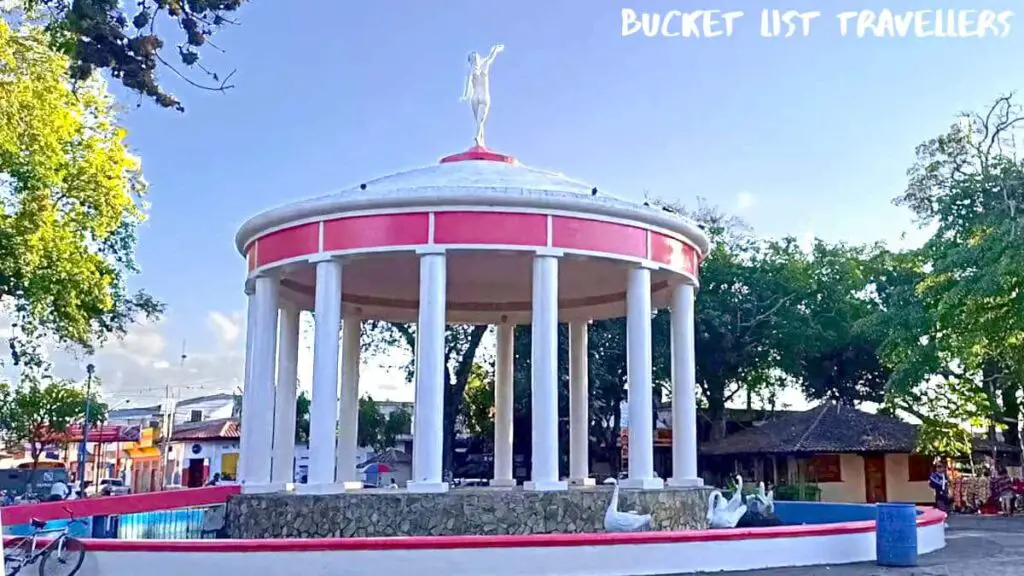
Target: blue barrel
{"points": [[896, 535]]}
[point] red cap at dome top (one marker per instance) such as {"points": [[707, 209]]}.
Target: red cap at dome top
{"points": [[479, 153]]}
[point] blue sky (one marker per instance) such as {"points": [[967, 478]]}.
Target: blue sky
{"points": [[800, 136]]}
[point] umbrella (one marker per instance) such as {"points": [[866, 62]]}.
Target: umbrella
{"points": [[377, 468]]}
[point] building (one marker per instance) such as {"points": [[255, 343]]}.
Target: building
{"points": [[104, 451], [144, 466], [210, 407], [849, 454], [143, 462], [200, 449]]}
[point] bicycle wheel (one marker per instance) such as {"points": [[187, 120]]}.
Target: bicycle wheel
{"points": [[64, 560], [16, 555]]}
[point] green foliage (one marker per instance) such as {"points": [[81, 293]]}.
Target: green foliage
{"points": [[72, 197], [840, 361], [478, 407], [798, 493], [462, 342], [376, 430], [952, 321], [40, 409], [97, 35], [751, 326], [943, 438], [302, 403]]}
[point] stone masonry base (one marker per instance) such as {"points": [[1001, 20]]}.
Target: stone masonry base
{"points": [[459, 512]]}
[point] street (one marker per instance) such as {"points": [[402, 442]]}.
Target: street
{"points": [[975, 546]]}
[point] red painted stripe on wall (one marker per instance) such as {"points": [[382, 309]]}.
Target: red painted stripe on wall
{"points": [[580, 234], [250, 256], [928, 517], [107, 505], [673, 253], [490, 228], [291, 242], [376, 231]]}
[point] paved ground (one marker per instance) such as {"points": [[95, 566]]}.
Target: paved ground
{"points": [[975, 546]]}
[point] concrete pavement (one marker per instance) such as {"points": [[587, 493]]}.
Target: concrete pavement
{"points": [[975, 546]]}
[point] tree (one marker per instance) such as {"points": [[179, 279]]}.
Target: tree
{"points": [[302, 403], [39, 410], [73, 199], [606, 364], [371, 423], [840, 362], [377, 431], [97, 35], [477, 416], [750, 326], [966, 184], [461, 344]]}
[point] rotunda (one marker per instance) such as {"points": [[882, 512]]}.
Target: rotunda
{"points": [[476, 239]]}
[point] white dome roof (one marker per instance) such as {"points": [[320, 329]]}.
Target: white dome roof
{"points": [[471, 183]]}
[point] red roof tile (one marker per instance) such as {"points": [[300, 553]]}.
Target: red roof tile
{"points": [[221, 429]]}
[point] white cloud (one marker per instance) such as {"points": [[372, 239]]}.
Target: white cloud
{"points": [[228, 327], [744, 200], [138, 369]]}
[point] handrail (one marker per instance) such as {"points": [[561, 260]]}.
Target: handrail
{"points": [[111, 505]]}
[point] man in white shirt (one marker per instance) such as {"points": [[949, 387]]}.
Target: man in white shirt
{"points": [[59, 491]]}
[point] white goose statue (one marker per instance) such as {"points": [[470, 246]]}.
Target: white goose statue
{"points": [[762, 503], [615, 521], [722, 514]]}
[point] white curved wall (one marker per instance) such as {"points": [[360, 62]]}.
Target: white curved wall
{"points": [[553, 560]]}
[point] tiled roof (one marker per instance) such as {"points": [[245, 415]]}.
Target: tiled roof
{"points": [[831, 428], [220, 429], [826, 428]]}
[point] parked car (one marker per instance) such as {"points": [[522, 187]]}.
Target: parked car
{"points": [[109, 487]]}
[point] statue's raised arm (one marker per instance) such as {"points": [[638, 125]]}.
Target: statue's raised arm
{"points": [[495, 50]]}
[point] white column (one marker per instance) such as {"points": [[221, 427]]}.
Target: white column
{"points": [[544, 377], [503, 406], [638, 373], [428, 428], [264, 351], [579, 400], [283, 470], [323, 410], [348, 421], [684, 393], [250, 333]]}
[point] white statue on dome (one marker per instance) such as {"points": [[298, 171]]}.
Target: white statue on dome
{"points": [[478, 88]]}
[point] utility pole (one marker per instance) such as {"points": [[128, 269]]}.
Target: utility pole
{"points": [[168, 409], [89, 370]]}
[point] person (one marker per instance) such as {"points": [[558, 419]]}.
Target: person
{"points": [[1002, 488], [58, 491], [939, 483], [393, 485], [215, 480]]}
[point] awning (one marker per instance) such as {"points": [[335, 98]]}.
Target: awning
{"points": [[143, 453]]}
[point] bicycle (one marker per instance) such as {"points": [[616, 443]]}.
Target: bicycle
{"points": [[61, 555]]}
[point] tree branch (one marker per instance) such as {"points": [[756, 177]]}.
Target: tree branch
{"points": [[224, 86]]}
